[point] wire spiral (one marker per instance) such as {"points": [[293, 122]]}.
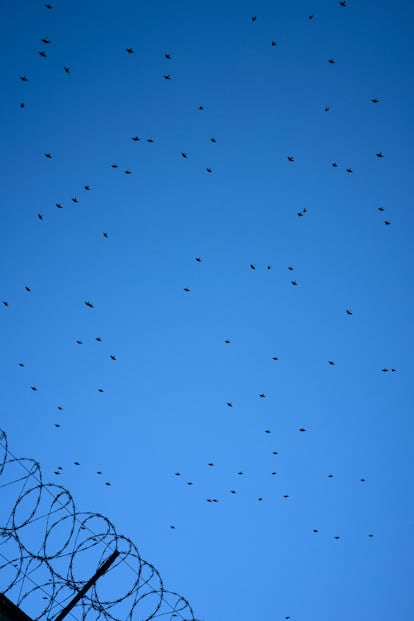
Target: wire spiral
{"points": [[49, 550]]}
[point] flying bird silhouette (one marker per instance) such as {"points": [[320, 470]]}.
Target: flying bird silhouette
{"points": [[186, 289], [252, 266], [40, 216], [379, 154], [21, 364], [59, 205], [227, 341], [209, 170], [42, 54], [198, 259], [348, 311], [184, 155], [75, 200], [229, 404], [46, 41], [113, 357], [89, 304], [66, 69], [105, 235], [129, 50], [331, 61], [331, 362], [293, 282], [167, 56], [349, 170], [27, 289], [24, 78], [48, 6], [33, 388], [135, 138], [274, 43], [167, 77], [334, 164], [98, 338], [375, 100], [213, 140], [290, 158], [87, 187]]}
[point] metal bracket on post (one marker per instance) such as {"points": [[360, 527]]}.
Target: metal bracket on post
{"points": [[99, 572]]}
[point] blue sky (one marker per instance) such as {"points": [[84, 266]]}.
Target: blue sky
{"points": [[163, 409]]}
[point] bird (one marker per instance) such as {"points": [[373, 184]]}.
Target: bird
{"points": [[107, 483], [24, 78], [57, 425], [198, 259], [327, 108], [56, 472], [262, 395], [349, 170], [348, 311], [334, 164], [274, 43], [59, 205], [33, 388], [100, 389], [299, 213], [66, 69], [150, 140], [87, 187], [135, 138], [22, 105], [115, 166], [275, 453], [342, 3], [113, 357], [76, 463], [40, 216], [370, 535], [105, 235], [269, 267], [374, 100], [253, 18], [252, 266], [385, 370], [311, 16], [260, 499], [189, 482], [209, 170], [21, 364], [229, 404], [46, 41], [290, 268], [379, 154], [227, 341], [186, 289], [201, 107], [75, 200], [42, 54], [291, 158], [330, 476], [293, 282], [240, 473], [275, 358], [315, 530], [184, 155], [172, 526], [79, 342], [167, 77], [273, 473], [167, 56], [213, 140], [331, 61], [89, 304], [210, 464], [5, 302], [27, 289], [380, 208], [60, 408], [127, 172], [302, 429], [232, 491], [362, 480], [286, 496], [48, 6], [98, 338], [331, 362], [393, 370], [387, 222], [129, 50], [337, 537], [267, 431], [177, 474]]}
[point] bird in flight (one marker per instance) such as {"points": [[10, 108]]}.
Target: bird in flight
{"points": [[293, 282], [384, 370], [331, 362], [291, 268], [177, 474], [198, 259], [315, 530], [184, 155], [334, 164], [209, 170], [105, 235], [227, 341], [213, 140], [48, 6], [75, 200], [252, 266], [46, 41], [21, 364], [76, 463], [311, 16], [302, 429], [100, 389], [375, 100], [387, 222], [337, 537], [348, 311], [269, 267], [380, 208], [135, 138], [42, 54], [349, 170], [150, 140], [186, 289], [115, 166], [267, 431], [107, 483], [167, 77], [254, 18], [274, 43], [33, 388], [89, 304], [22, 105], [330, 476], [327, 108], [40, 216], [379, 154], [87, 187], [60, 408], [98, 338], [27, 289], [210, 464], [113, 357], [24, 78], [331, 61], [57, 425], [128, 172], [66, 69], [5, 303], [290, 158], [201, 107], [59, 205], [275, 358], [229, 404], [167, 56], [342, 3], [129, 50], [262, 395], [79, 342]]}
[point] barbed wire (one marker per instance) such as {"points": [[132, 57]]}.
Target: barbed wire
{"points": [[49, 550]]}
